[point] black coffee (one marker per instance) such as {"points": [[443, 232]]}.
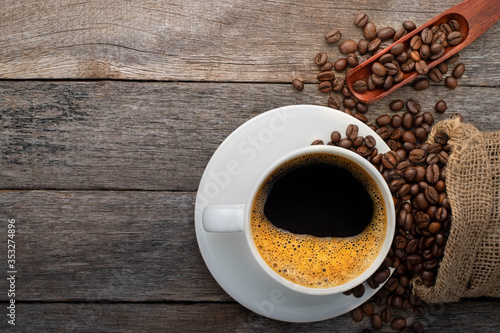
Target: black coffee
{"points": [[319, 199]]}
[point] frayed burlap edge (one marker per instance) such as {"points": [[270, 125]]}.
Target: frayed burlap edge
{"points": [[471, 261]]}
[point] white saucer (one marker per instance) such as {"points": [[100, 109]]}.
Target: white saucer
{"points": [[229, 177]]}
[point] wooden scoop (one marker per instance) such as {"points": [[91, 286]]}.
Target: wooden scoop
{"points": [[474, 18]]}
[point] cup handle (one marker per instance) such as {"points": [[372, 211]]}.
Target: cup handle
{"points": [[224, 218]]}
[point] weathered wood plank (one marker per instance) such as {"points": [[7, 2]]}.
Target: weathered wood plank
{"points": [[235, 40], [469, 316], [142, 135], [105, 245]]}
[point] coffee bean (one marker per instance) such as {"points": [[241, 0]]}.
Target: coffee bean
{"points": [[440, 106], [362, 107], [348, 46], [317, 142], [417, 327], [399, 242], [358, 291], [409, 25], [455, 38], [352, 60], [435, 227], [409, 174], [350, 103], [333, 36], [370, 141], [409, 137], [335, 137], [361, 20], [420, 202], [438, 51], [407, 120], [441, 138], [421, 84], [360, 86], [420, 134], [328, 66], [396, 105], [386, 33], [412, 245], [421, 67], [386, 315], [345, 143], [367, 308], [435, 75], [369, 31], [432, 174], [320, 58], [398, 323], [416, 42], [383, 132], [377, 321], [388, 82], [338, 84], [359, 141], [374, 44], [298, 84], [427, 275], [428, 118], [438, 38], [390, 160], [385, 58], [432, 158], [408, 66], [397, 301], [397, 49], [453, 58], [340, 64], [325, 86], [426, 36], [357, 314], [417, 156], [392, 68], [440, 186], [413, 106], [346, 92], [399, 34], [383, 120], [326, 76], [458, 71], [425, 52], [334, 102], [431, 195], [402, 57], [446, 28], [443, 68], [415, 56], [360, 117], [352, 132], [441, 214]]}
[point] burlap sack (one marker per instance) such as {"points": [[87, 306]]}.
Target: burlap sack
{"points": [[471, 261]]}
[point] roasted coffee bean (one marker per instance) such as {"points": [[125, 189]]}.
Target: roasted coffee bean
{"points": [[352, 132], [377, 80], [397, 301], [417, 156], [416, 42], [350, 103], [346, 92], [348, 46], [409, 25], [352, 60], [325, 86], [412, 245], [420, 134], [335, 137], [402, 57], [408, 66], [358, 291], [443, 67], [360, 117], [386, 33], [392, 284], [399, 34], [372, 283], [379, 69], [454, 25], [426, 36], [369, 82], [440, 186], [440, 106], [441, 214], [458, 71], [390, 160], [396, 121], [386, 315], [407, 120], [421, 67], [321, 58], [377, 321], [395, 185], [425, 52], [428, 118], [441, 138], [328, 66], [388, 82], [435, 227], [420, 202], [427, 275], [455, 38], [359, 141], [414, 258], [432, 174], [438, 51], [345, 143], [446, 28], [409, 137], [399, 242], [453, 58], [369, 31], [431, 195], [333, 36], [340, 64], [421, 84], [415, 56], [401, 216], [357, 314], [399, 77], [409, 174], [385, 58], [383, 132], [417, 327], [360, 86], [326, 76], [397, 49], [398, 323], [420, 173], [298, 84], [381, 275], [374, 44], [435, 75], [338, 84], [438, 38], [396, 105], [317, 142], [362, 107], [370, 141], [361, 20], [334, 102], [391, 68], [367, 308], [432, 158], [413, 106]]}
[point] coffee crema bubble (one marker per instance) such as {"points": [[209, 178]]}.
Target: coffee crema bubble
{"points": [[319, 262]]}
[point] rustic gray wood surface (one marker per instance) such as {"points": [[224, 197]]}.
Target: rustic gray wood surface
{"points": [[109, 113]]}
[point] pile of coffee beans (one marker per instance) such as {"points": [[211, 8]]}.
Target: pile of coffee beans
{"points": [[411, 56], [390, 68], [415, 172]]}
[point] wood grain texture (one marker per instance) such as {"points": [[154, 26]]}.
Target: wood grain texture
{"points": [[156, 136], [466, 316], [233, 40], [105, 245]]}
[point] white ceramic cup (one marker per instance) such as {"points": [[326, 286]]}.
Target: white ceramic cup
{"points": [[237, 218]]}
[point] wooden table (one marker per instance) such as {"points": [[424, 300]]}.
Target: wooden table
{"points": [[110, 111]]}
